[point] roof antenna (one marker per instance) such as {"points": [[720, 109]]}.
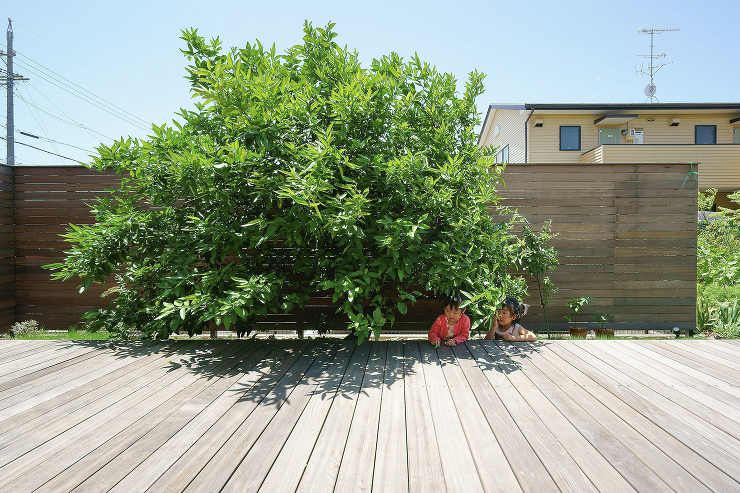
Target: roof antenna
{"points": [[650, 89]]}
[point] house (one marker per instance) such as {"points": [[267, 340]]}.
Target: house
{"points": [[703, 133]]}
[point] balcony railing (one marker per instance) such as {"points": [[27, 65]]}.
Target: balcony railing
{"points": [[719, 164]]}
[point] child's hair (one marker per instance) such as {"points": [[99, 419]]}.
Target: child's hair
{"points": [[453, 301], [515, 307]]}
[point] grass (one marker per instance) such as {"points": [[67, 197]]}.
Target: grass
{"points": [[65, 336]]}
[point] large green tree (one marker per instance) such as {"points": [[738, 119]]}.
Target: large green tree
{"points": [[296, 174]]}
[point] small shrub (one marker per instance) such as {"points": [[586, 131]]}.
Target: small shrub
{"points": [[25, 328], [703, 314], [726, 320], [713, 294]]}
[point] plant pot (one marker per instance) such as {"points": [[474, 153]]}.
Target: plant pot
{"points": [[604, 332], [578, 332]]}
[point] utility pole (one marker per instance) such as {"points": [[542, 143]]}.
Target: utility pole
{"points": [[9, 79], [650, 89]]}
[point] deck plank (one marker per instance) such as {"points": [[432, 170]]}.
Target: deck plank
{"points": [[83, 398], [645, 397], [489, 385], [258, 461], [700, 363], [48, 362], [709, 347], [57, 415], [59, 452], [705, 353], [572, 462], [219, 469], [424, 462], [632, 465], [356, 469], [106, 466], [494, 470], [74, 376], [28, 358], [17, 349], [228, 415], [457, 459], [390, 473], [626, 423], [320, 474], [704, 389], [289, 466]]}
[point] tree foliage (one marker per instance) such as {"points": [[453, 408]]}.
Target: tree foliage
{"points": [[297, 174], [538, 259]]}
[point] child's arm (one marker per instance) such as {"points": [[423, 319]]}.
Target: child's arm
{"points": [[433, 335], [492, 333], [522, 335]]}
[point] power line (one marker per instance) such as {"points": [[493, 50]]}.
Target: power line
{"points": [[28, 134], [103, 100], [44, 150], [41, 125], [65, 87], [68, 122], [91, 69]]}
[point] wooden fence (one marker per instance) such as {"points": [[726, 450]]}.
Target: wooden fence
{"points": [[627, 236]]}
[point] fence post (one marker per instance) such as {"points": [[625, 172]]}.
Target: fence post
{"points": [[8, 298]]}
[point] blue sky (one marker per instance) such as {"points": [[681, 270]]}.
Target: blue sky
{"points": [[128, 54]]}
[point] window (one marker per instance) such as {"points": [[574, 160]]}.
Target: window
{"points": [[502, 156], [705, 134], [736, 139], [570, 138]]}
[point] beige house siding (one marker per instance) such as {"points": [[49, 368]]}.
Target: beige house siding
{"points": [[660, 131], [544, 142], [511, 132]]}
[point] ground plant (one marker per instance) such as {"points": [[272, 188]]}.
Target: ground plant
{"points": [[718, 267], [26, 328], [298, 173]]}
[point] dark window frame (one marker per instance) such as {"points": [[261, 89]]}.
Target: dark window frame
{"points": [[696, 134], [579, 137]]}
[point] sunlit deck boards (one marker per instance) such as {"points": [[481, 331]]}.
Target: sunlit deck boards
{"points": [[316, 416]]}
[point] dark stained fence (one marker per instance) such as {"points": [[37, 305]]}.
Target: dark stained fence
{"points": [[47, 200], [627, 238], [7, 249]]}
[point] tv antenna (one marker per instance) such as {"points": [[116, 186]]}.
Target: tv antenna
{"points": [[651, 89]]}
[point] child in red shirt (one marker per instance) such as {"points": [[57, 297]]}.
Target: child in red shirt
{"points": [[453, 327]]}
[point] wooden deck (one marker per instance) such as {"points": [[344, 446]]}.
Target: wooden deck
{"points": [[316, 416]]}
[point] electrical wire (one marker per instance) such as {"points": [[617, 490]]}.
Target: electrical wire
{"points": [[39, 121], [44, 139], [70, 121], [65, 87], [65, 114], [51, 73], [89, 68], [44, 150]]}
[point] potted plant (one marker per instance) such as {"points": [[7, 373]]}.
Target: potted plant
{"points": [[576, 304], [602, 318]]}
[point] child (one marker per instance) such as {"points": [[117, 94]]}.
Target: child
{"points": [[505, 326], [453, 327]]}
